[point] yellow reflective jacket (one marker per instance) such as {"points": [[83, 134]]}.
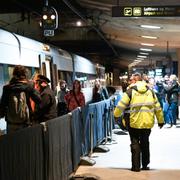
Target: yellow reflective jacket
{"points": [[143, 106]]}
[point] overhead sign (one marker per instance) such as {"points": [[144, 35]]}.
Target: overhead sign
{"points": [[48, 32], [145, 11]]}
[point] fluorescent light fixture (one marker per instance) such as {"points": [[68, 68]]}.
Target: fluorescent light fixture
{"points": [[145, 49], [150, 27], [139, 59], [136, 60], [140, 56], [149, 37], [144, 53], [147, 44]]}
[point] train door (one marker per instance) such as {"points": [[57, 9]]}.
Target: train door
{"points": [[2, 82], [50, 71]]}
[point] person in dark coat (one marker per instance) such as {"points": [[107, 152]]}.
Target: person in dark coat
{"points": [[47, 109], [99, 92], [18, 83], [172, 90], [61, 106]]}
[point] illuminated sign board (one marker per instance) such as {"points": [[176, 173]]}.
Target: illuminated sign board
{"points": [[145, 11]]}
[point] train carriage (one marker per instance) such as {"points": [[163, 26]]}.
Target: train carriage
{"points": [[51, 61]]}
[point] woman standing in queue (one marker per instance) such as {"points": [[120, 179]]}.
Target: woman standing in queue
{"points": [[75, 98]]}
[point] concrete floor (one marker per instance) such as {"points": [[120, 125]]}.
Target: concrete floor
{"points": [[116, 164]]}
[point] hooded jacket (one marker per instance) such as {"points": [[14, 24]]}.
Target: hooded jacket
{"points": [[143, 106]]}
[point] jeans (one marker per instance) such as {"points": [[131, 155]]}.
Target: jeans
{"points": [[172, 113]]}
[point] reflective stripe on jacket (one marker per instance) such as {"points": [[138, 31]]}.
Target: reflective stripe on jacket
{"points": [[143, 106]]}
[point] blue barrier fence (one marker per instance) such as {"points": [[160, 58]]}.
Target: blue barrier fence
{"points": [[53, 150]]}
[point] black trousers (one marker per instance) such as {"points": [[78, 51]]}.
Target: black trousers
{"points": [[140, 147], [62, 108]]}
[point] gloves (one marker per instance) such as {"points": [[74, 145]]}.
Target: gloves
{"points": [[160, 125]]}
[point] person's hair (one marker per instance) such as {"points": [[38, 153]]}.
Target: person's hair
{"points": [[77, 81], [20, 72], [137, 76], [95, 89], [62, 82], [173, 77]]}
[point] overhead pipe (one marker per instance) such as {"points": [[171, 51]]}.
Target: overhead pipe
{"points": [[95, 28]]}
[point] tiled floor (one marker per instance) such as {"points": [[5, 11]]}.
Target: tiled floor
{"points": [[116, 164]]}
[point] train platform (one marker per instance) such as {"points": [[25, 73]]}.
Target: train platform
{"points": [[116, 164]]}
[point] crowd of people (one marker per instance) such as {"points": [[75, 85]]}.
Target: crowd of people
{"points": [[167, 90], [144, 99], [42, 103]]}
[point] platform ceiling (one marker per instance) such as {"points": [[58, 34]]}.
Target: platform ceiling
{"points": [[118, 38]]}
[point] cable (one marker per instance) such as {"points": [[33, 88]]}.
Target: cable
{"points": [[95, 28]]}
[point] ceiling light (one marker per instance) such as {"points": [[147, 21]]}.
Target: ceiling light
{"points": [[147, 44], [136, 60], [150, 27], [144, 53], [78, 23], [144, 49], [139, 56], [149, 37]]}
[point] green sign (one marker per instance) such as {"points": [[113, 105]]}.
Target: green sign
{"points": [[145, 11]]}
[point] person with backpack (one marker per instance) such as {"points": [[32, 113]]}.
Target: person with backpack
{"points": [[15, 101], [143, 107], [47, 109]]}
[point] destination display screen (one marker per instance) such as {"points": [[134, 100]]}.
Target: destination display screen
{"points": [[145, 11]]}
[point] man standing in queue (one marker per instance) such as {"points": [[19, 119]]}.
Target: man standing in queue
{"points": [[47, 109], [143, 107]]}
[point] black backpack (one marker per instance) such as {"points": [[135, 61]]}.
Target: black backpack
{"points": [[17, 109]]}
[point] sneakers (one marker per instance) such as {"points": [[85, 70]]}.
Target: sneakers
{"points": [[167, 126], [173, 126]]}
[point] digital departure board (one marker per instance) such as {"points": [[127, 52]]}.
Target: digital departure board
{"points": [[145, 11]]}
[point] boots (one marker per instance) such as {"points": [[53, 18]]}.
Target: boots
{"points": [[135, 151]]}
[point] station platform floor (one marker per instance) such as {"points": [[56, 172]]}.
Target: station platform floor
{"points": [[116, 164]]}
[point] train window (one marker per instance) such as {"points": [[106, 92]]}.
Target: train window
{"points": [[44, 68], [85, 79], [29, 72], [11, 68], [67, 76], [10, 71]]}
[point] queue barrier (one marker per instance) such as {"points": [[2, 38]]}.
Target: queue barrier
{"points": [[53, 150]]}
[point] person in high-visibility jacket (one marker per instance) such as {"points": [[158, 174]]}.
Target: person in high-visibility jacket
{"points": [[143, 107]]}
